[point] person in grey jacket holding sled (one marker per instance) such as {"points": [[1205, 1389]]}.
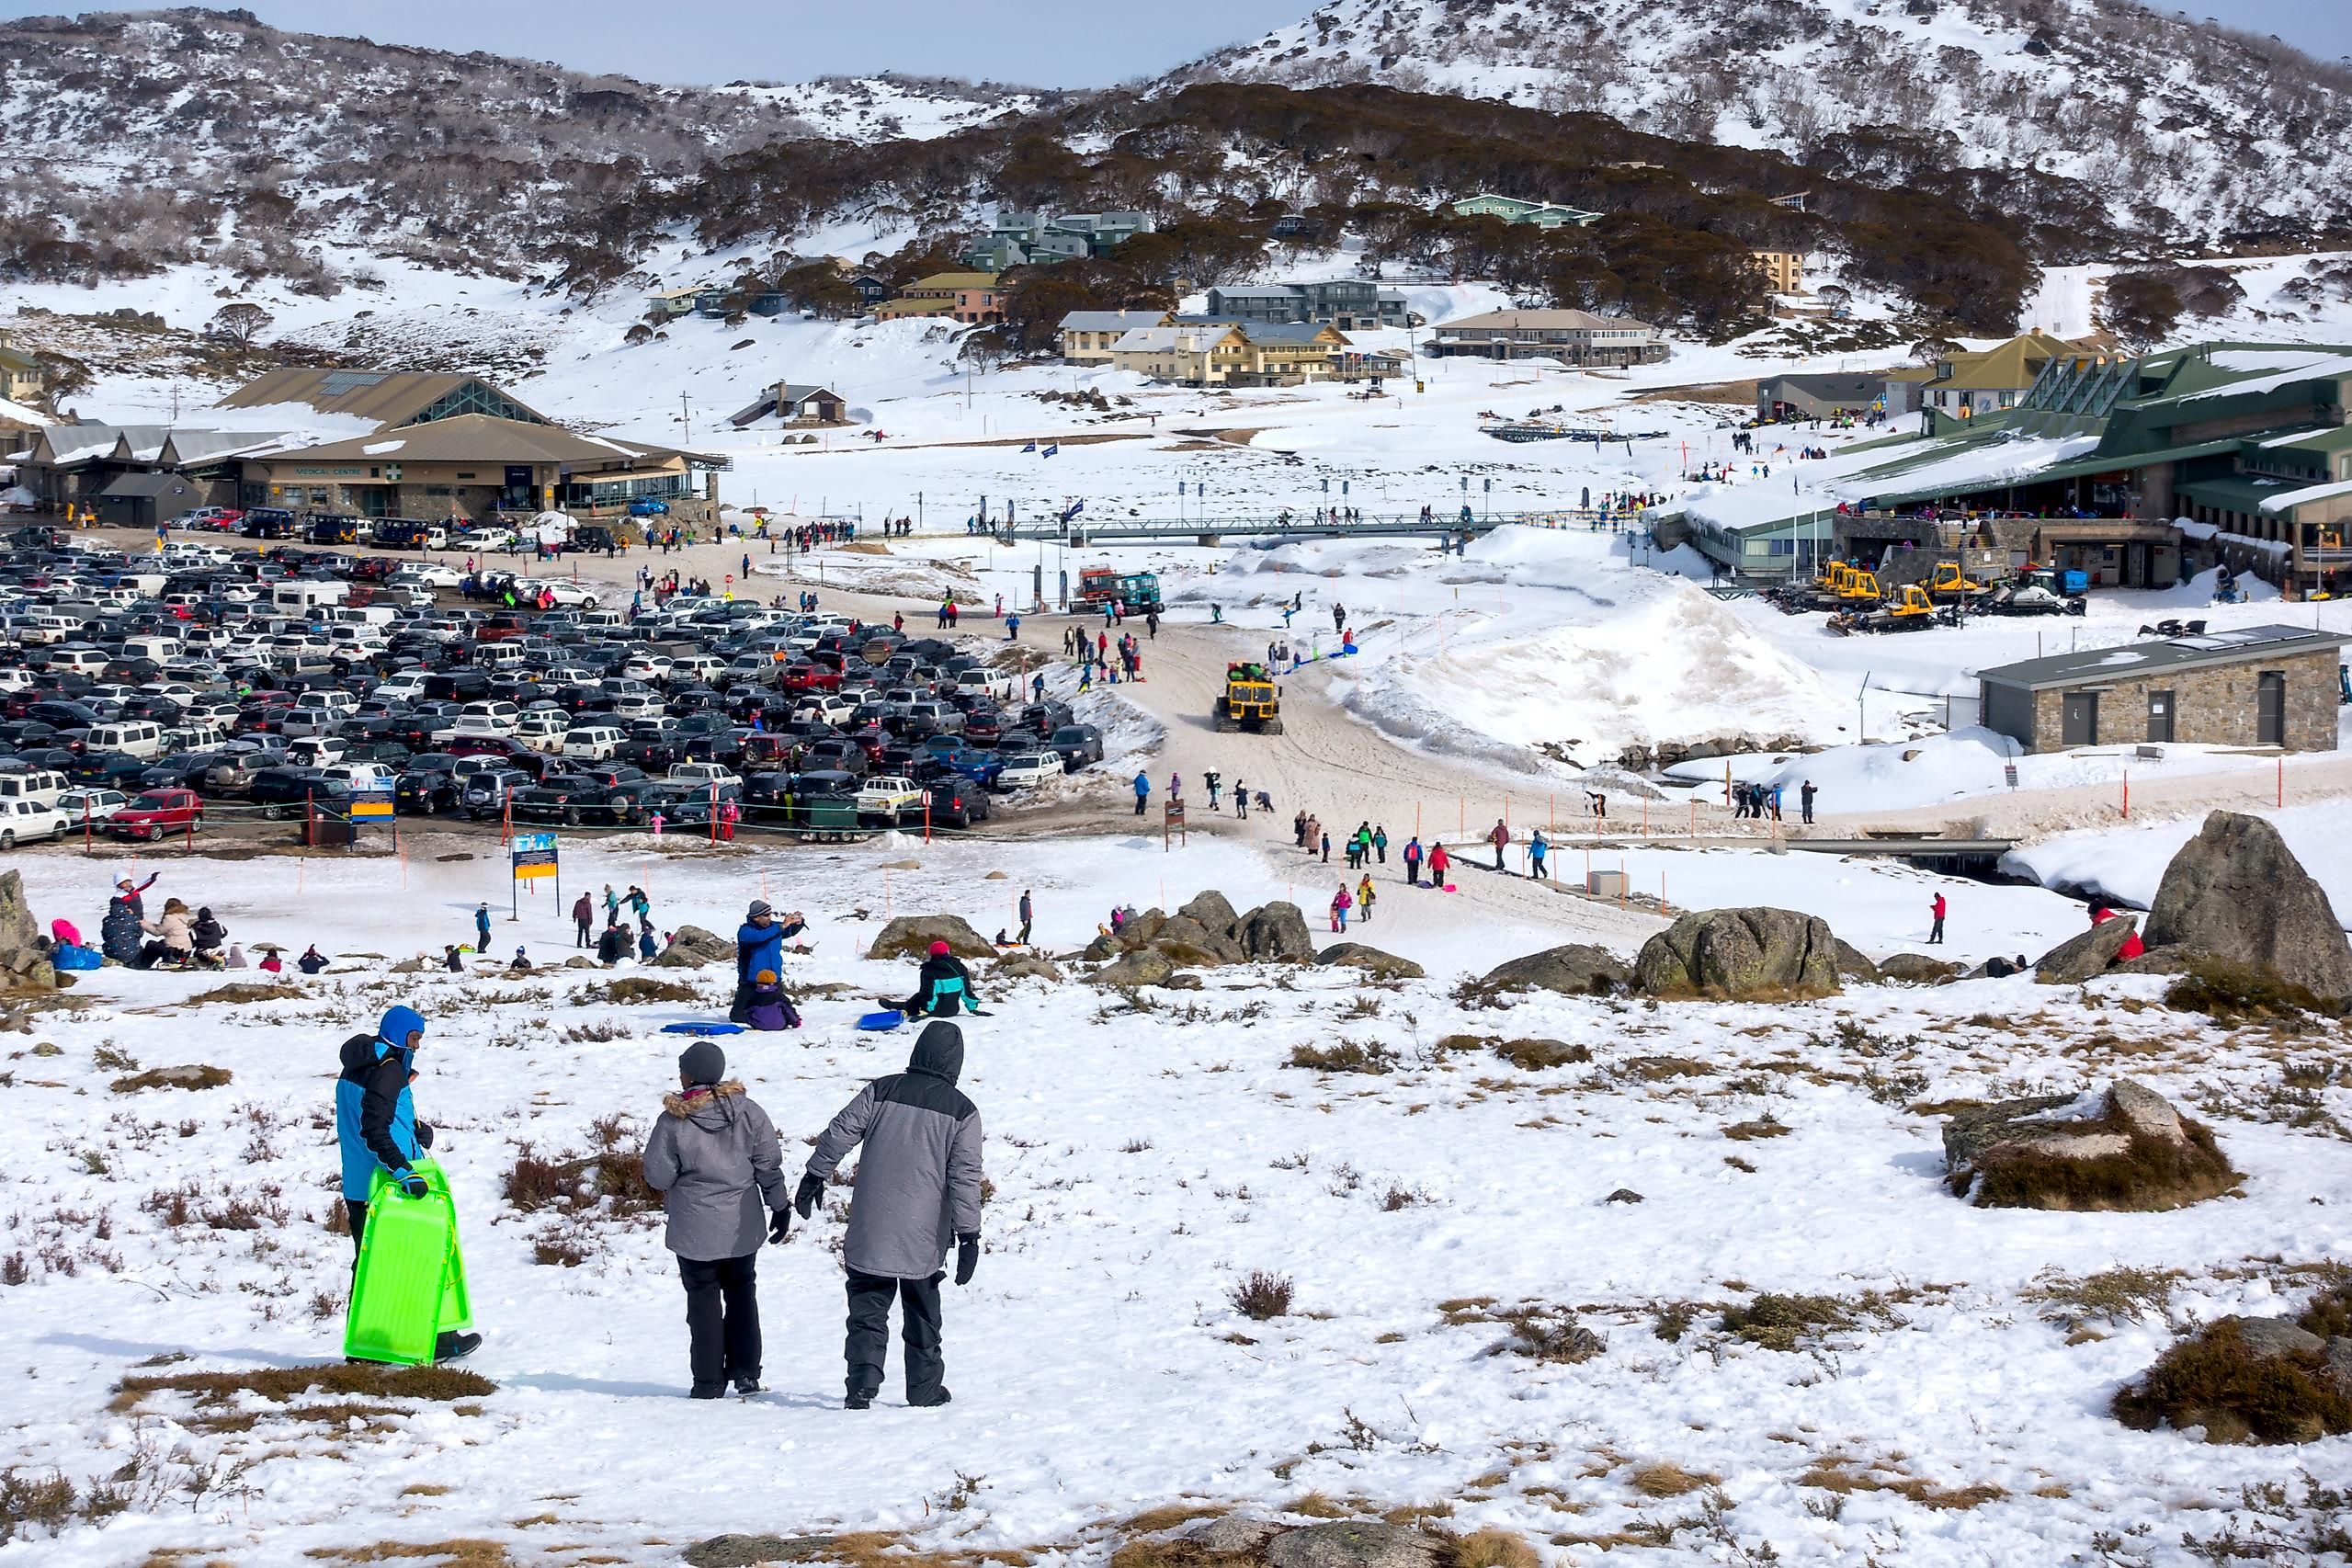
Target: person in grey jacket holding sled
{"points": [[917, 1194], [714, 1158]]}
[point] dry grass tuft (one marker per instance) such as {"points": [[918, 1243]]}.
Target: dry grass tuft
{"points": [[2149, 1176], [1261, 1296], [2235, 993], [1663, 1479], [1535, 1055], [1837, 1473], [1766, 1126], [1348, 1056], [2115, 1295], [460, 1553], [1783, 1322], [2215, 1382], [1151, 1521], [243, 991], [189, 1078], [1491, 1549], [640, 988]]}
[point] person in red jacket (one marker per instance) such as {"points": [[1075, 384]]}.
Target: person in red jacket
{"points": [[1936, 931], [1499, 837], [2132, 946], [1438, 862]]}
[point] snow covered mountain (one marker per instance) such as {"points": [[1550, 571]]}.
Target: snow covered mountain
{"points": [[2180, 132]]}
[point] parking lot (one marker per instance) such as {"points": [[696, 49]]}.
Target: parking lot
{"points": [[270, 689]]}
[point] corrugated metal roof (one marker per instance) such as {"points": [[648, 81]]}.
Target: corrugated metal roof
{"points": [[391, 398]]}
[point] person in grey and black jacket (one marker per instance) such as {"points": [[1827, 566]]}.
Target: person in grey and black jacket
{"points": [[714, 1158], [917, 1193]]}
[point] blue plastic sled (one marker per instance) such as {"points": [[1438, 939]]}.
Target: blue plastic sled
{"points": [[876, 1021], [699, 1026]]}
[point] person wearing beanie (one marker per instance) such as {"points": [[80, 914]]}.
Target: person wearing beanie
{"points": [[768, 1007], [714, 1158], [917, 1195], [759, 945], [942, 989], [376, 1128]]}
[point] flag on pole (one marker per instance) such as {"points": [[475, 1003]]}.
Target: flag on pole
{"points": [[1051, 450], [1030, 448]]}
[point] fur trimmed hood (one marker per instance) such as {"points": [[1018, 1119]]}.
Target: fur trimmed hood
{"points": [[687, 1105]]}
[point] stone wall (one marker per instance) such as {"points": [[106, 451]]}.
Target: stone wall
{"points": [[2212, 706]]}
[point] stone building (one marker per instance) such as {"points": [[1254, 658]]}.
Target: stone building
{"points": [[2259, 685]]}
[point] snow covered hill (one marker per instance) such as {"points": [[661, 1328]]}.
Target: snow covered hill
{"points": [[2178, 130]]}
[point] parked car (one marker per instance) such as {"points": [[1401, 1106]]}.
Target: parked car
{"points": [[25, 819], [156, 813]]}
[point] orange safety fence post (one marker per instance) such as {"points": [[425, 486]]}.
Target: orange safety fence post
{"points": [[2127, 794], [87, 844]]}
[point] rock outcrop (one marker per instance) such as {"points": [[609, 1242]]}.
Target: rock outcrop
{"points": [[1372, 961], [1737, 953], [1853, 964], [2086, 954], [692, 948], [24, 966], [911, 936], [1918, 969], [2237, 891], [1579, 968], [1204, 934], [2121, 1148]]}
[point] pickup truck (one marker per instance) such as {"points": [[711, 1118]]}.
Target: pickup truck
{"points": [[883, 799], [157, 812]]}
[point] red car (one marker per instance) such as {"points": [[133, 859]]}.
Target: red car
{"points": [[811, 677], [157, 812]]}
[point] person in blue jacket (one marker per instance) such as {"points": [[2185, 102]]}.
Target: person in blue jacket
{"points": [[1143, 791], [376, 1128], [759, 945]]}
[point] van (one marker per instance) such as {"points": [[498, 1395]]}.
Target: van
{"points": [[497, 656], [154, 646], [360, 615], [35, 785], [142, 738], [456, 686], [307, 594]]}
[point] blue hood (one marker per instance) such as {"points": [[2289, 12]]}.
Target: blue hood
{"points": [[398, 1024]]}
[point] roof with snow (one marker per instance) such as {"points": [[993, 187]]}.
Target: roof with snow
{"points": [[2089, 665], [478, 438], [388, 398], [1111, 321], [1540, 321]]}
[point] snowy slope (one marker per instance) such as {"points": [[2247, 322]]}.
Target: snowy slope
{"points": [[2179, 130]]}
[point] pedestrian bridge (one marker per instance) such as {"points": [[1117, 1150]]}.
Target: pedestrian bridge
{"points": [[1211, 530]]}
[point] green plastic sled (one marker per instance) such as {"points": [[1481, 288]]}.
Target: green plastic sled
{"points": [[410, 1287]]}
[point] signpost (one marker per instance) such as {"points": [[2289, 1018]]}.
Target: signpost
{"points": [[1172, 825], [533, 858], [373, 805]]}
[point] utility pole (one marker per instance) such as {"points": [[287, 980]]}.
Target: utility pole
{"points": [[685, 419]]}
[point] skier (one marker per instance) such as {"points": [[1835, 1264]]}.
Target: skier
{"points": [[1143, 790], [918, 1189], [1413, 861], [1499, 836], [376, 1128], [1936, 931], [713, 1156], [942, 987]]}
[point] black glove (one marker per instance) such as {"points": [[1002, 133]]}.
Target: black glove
{"points": [[967, 1258], [779, 1225], [410, 1184], [424, 1136], [805, 1199]]}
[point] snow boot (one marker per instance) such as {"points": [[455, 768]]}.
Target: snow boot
{"points": [[942, 1397], [749, 1386], [455, 1347], [859, 1402]]}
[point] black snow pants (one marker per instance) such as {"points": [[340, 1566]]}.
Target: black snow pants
{"points": [[722, 1319], [868, 1347]]}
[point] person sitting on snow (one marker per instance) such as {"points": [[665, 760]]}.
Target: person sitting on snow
{"points": [[942, 989]]}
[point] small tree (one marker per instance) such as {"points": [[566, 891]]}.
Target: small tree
{"points": [[1927, 350], [240, 323]]}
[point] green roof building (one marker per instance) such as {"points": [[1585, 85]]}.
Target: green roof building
{"points": [[2125, 467], [1512, 210]]}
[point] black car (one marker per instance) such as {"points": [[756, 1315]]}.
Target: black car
{"points": [[571, 799], [486, 793], [282, 791], [1044, 718], [428, 786], [958, 802], [1078, 743]]}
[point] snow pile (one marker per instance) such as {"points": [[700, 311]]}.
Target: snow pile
{"points": [[2127, 864]]}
